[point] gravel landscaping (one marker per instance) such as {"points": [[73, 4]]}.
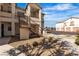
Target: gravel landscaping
{"points": [[50, 45], [46, 48]]}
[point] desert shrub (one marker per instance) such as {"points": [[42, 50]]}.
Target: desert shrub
{"points": [[22, 48], [55, 41], [50, 39], [42, 41], [28, 46], [77, 40], [64, 48], [12, 52], [35, 44]]}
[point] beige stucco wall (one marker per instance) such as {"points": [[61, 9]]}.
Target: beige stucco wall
{"points": [[24, 33], [59, 26], [16, 28], [5, 19]]}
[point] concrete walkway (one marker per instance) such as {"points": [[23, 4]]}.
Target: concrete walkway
{"points": [[23, 42], [4, 40], [7, 47]]}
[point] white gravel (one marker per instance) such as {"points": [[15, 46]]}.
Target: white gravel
{"points": [[5, 48]]}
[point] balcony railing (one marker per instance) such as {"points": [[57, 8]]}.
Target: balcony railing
{"points": [[35, 20]]}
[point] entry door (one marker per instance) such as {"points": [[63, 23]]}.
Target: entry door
{"points": [[2, 30]]}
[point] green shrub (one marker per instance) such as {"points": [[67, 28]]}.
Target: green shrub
{"points": [[77, 40]]}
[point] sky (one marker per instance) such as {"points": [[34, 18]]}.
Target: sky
{"points": [[55, 12]]}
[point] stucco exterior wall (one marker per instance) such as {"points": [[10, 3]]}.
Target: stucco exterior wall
{"points": [[59, 27], [67, 26], [7, 18], [16, 28], [76, 21], [24, 33]]}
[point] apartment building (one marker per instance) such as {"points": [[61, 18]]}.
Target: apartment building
{"points": [[23, 22], [69, 25], [60, 26], [8, 20]]}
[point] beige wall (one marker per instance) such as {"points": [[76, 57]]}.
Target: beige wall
{"points": [[24, 33], [75, 29], [17, 28], [5, 19]]}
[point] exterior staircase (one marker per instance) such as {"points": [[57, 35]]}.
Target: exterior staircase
{"points": [[33, 34]]}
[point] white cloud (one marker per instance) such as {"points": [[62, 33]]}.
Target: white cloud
{"points": [[59, 12], [61, 7]]}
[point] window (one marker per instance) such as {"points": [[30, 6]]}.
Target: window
{"points": [[72, 23], [9, 28]]}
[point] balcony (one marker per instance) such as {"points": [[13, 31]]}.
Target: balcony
{"points": [[7, 17], [34, 20], [35, 14], [5, 14]]}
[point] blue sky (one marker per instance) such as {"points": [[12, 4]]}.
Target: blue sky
{"points": [[55, 12]]}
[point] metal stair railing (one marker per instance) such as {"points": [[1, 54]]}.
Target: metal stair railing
{"points": [[40, 28]]}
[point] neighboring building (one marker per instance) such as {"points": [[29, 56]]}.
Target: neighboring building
{"points": [[24, 22], [70, 25], [60, 26]]}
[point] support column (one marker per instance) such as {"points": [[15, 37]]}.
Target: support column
{"points": [[13, 18], [13, 28], [39, 22], [13, 9]]}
